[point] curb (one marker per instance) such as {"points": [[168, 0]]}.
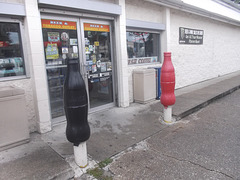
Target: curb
{"points": [[206, 103]]}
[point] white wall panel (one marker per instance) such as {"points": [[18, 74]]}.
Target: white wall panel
{"points": [[219, 54]]}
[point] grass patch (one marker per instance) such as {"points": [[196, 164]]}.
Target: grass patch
{"points": [[98, 172], [105, 163]]}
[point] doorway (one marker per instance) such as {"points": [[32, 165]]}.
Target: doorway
{"points": [[98, 63], [89, 41]]}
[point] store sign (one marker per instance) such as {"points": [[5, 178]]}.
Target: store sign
{"points": [[142, 60], [57, 24], [96, 27], [190, 36]]}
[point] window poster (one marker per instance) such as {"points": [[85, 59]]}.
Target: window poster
{"points": [[64, 50], [90, 47], [73, 42], [109, 66], [96, 43], [52, 51], [75, 49], [53, 37], [94, 68], [103, 67], [64, 36]]}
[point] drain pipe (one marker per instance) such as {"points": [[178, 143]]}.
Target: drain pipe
{"points": [[167, 85]]}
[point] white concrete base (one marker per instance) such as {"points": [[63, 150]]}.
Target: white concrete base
{"points": [[167, 115], [80, 154]]}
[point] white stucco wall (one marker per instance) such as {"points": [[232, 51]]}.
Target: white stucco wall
{"points": [[219, 54], [143, 11]]}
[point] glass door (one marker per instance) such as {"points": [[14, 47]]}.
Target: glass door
{"points": [[60, 41], [98, 63]]}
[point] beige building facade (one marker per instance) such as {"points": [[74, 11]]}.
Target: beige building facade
{"points": [[111, 39]]}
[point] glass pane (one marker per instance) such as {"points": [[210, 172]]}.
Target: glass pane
{"points": [[141, 46], [11, 54], [99, 64], [60, 43]]}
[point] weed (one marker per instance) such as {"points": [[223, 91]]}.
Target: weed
{"points": [[98, 172], [104, 163]]}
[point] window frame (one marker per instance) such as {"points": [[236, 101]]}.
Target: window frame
{"points": [[130, 29], [24, 50]]}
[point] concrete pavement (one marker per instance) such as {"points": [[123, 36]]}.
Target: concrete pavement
{"points": [[204, 145], [140, 145]]}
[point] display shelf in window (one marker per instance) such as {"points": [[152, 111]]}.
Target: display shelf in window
{"points": [[11, 51]]}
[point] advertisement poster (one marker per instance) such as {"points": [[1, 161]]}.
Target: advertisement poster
{"points": [[94, 68], [96, 43], [75, 49], [103, 67], [52, 51], [53, 37], [64, 36], [73, 42], [90, 47], [74, 55], [94, 59], [87, 42], [87, 50], [109, 66], [64, 50]]}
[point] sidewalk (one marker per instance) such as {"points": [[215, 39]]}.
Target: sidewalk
{"points": [[50, 156]]}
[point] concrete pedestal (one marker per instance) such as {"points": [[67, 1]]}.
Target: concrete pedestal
{"points": [[167, 115], [80, 154]]}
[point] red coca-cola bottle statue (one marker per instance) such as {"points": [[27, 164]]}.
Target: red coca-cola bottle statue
{"points": [[167, 86]]}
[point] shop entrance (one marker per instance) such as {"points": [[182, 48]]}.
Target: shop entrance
{"points": [[90, 42], [98, 63]]}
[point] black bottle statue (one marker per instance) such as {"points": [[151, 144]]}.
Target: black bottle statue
{"points": [[76, 104]]}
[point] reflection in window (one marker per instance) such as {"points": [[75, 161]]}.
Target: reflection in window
{"points": [[142, 44], [11, 54]]}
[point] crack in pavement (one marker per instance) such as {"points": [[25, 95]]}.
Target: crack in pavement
{"points": [[196, 164]]}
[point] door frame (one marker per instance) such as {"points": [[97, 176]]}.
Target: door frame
{"points": [[83, 61], [82, 58]]}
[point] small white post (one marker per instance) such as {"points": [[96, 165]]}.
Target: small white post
{"points": [[80, 154], [167, 115]]}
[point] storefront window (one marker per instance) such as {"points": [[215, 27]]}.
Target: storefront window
{"points": [[60, 43], [142, 47], [11, 53]]}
